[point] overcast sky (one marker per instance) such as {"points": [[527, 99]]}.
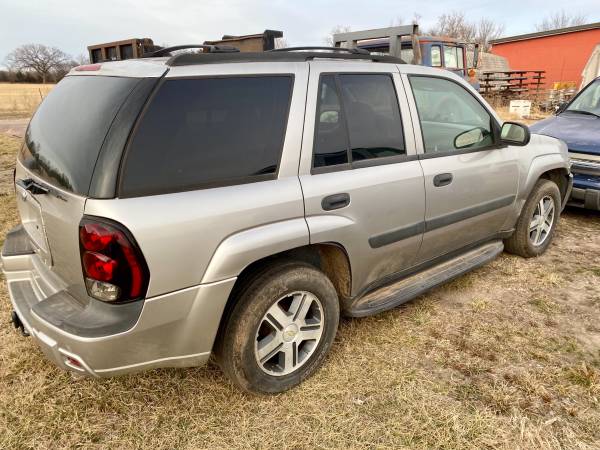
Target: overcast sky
{"points": [[73, 25]]}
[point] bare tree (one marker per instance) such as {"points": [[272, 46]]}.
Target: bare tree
{"points": [[38, 58], [82, 59], [399, 20], [487, 30], [328, 40], [61, 70], [454, 24], [561, 19], [416, 18]]}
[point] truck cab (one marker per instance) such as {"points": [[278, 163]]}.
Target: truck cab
{"points": [[436, 51], [406, 43]]}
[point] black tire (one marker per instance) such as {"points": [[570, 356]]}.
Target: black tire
{"points": [[520, 243], [235, 349]]}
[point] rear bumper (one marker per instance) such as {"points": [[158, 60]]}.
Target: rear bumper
{"points": [[171, 330]]}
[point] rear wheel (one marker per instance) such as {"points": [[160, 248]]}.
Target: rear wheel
{"points": [[280, 329], [538, 221]]}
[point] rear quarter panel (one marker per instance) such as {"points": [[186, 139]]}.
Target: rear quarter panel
{"points": [[179, 233]]}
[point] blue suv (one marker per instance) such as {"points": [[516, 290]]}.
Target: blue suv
{"points": [[577, 123]]}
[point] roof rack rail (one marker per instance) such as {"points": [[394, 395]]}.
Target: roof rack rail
{"points": [[186, 59], [207, 48], [355, 51]]}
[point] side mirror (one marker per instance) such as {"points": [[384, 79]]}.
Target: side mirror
{"points": [[513, 133], [468, 138]]}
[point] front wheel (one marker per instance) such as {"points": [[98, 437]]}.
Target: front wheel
{"points": [[538, 221], [280, 329]]}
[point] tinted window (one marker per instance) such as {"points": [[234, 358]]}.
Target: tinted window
{"points": [[66, 133], [208, 132], [369, 121], [331, 140], [373, 116], [447, 111]]}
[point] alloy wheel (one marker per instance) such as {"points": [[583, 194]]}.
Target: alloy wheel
{"points": [[289, 333], [542, 221]]}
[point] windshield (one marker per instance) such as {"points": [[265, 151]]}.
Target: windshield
{"points": [[588, 100], [453, 57], [65, 135]]}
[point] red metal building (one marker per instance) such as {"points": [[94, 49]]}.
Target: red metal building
{"points": [[562, 53]]}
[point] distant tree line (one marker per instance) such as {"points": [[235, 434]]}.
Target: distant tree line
{"points": [[27, 76], [38, 63]]}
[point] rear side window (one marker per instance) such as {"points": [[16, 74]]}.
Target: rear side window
{"points": [[208, 132], [373, 116], [331, 139], [65, 135], [358, 119]]}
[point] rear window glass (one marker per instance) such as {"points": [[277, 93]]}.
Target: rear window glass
{"points": [[331, 140], [208, 132], [66, 133], [365, 117], [373, 116]]}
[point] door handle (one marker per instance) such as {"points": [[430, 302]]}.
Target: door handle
{"points": [[335, 201], [442, 179]]}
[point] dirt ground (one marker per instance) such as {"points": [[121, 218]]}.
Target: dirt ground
{"points": [[505, 357]]}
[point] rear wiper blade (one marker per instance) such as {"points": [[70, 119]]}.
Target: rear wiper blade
{"points": [[583, 111]]}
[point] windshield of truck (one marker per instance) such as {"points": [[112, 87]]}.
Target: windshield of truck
{"points": [[453, 57], [588, 102], [65, 135]]}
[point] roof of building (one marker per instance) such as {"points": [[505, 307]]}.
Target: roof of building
{"points": [[540, 34]]}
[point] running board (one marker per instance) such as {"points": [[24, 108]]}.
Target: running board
{"points": [[407, 289]]}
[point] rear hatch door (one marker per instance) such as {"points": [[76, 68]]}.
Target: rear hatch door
{"points": [[56, 164]]}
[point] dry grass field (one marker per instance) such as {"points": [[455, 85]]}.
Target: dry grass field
{"points": [[21, 99], [506, 357]]}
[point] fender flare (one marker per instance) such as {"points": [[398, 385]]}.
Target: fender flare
{"points": [[241, 249], [539, 165]]}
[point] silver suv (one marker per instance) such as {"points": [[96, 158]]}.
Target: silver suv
{"points": [[238, 203]]}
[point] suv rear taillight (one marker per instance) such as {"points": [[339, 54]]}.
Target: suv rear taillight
{"points": [[113, 266]]}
